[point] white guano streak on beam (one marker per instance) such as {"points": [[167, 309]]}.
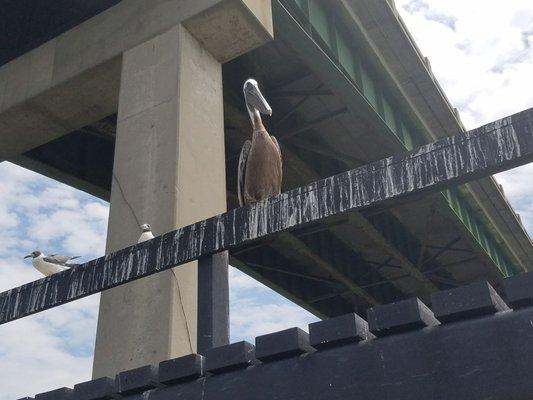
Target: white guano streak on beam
{"points": [[493, 148]]}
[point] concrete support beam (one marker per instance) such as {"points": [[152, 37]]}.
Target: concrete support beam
{"points": [[72, 80], [34, 109], [169, 171], [230, 28]]}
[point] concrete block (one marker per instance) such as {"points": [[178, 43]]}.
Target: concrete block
{"points": [[402, 316], [137, 380], [231, 357], [469, 301], [181, 369], [97, 389], [519, 290], [287, 343], [57, 394], [338, 331]]}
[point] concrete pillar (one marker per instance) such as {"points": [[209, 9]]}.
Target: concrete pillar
{"points": [[169, 171], [169, 167]]}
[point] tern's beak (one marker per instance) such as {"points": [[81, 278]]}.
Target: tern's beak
{"points": [[28, 256], [255, 98]]}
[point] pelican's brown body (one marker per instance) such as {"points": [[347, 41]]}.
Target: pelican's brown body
{"points": [[260, 166]]}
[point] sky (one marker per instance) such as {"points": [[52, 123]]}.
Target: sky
{"points": [[482, 54]]}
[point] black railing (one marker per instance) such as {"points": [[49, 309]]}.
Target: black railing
{"points": [[493, 148]]}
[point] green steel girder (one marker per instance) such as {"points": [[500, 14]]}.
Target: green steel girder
{"points": [[297, 298], [311, 26], [479, 232]]}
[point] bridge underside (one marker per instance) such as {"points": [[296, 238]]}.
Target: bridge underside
{"points": [[406, 250]]}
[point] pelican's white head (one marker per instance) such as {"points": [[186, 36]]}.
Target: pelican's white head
{"points": [[145, 228], [254, 99]]}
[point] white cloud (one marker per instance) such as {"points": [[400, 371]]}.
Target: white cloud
{"points": [[485, 66], [517, 187], [485, 63], [256, 310], [33, 359], [53, 348], [240, 281]]}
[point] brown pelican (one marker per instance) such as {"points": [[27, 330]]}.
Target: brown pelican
{"points": [[260, 167]]}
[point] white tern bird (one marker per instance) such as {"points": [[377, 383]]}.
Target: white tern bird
{"points": [[51, 264], [146, 233]]}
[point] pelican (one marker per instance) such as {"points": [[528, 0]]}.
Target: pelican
{"points": [[260, 166], [51, 264]]}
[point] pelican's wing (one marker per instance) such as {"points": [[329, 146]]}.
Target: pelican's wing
{"points": [[277, 145], [58, 259], [243, 158], [280, 162]]}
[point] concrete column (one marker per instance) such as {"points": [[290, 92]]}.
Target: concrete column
{"points": [[169, 171]]}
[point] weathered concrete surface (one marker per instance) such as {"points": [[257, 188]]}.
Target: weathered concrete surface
{"points": [[73, 79], [30, 117], [218, 27], [169, 168], [61, 176]]}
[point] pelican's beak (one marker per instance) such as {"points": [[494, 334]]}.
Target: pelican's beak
{"points": [[28, 256], [255, 98]]}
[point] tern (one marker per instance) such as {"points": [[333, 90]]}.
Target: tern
{"points": [[51, 264], [146, 233]]}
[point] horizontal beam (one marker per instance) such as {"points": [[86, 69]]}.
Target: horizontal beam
{"points": [[312, 124], [299, 93], [493, 148]]}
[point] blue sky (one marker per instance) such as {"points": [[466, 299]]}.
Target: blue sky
{"points": [[480, 51]]}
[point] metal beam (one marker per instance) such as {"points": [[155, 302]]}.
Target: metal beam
{"points": [[295, 249], [299, 93], [295, 107], [493, 148], [456, 249], [407, 266], [297, 294], [326, 151], [213, 302], [439, 253], [312, 124], [359, 84], [291, 273], [348, 235]]}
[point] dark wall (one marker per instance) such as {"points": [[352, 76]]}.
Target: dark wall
{"points": [[26, 24]]}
